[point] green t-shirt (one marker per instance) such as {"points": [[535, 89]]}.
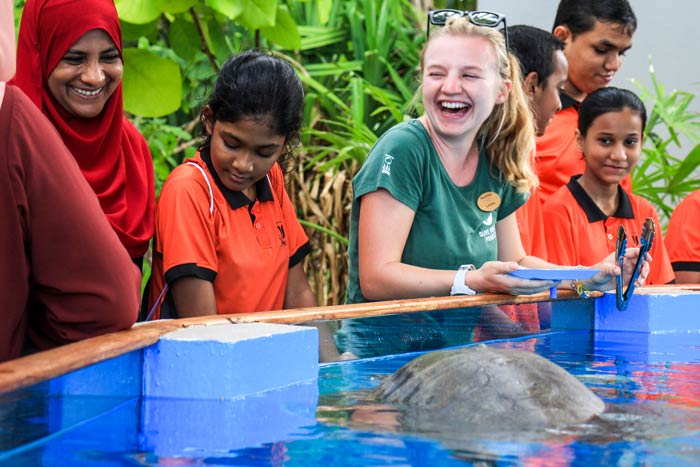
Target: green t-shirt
{"points": [[449, 228]]}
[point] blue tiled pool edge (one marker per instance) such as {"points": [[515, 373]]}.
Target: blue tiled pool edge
{"points": [[250, 358], [257, 357], [265, 376]]}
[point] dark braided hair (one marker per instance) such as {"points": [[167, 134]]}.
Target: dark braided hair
{"points": [[265, 88]]}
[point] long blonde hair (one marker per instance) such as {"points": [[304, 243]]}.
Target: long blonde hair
{"points": [[508, 134]]}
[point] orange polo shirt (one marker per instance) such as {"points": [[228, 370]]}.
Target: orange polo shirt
{"points": [[529, 217], [244, 248], [578, 232], [557, 157], [683, 234]]}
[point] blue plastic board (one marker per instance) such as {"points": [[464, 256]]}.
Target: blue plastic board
{"points": [[555, 274]]}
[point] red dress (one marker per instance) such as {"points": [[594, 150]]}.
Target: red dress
{"points": [[65, 276]]}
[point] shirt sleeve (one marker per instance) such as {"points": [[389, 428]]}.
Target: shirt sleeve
{"points": [[661, 271], [560, 231], [512, 200], [185, 228], [683, 236]]}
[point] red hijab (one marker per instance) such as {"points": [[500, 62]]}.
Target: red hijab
{"points": [[111, 153]]}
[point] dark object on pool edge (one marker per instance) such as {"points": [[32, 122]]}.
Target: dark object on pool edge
{"points": [[488, 389], [646, 240]]}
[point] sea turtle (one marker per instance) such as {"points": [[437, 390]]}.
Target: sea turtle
{"points": [[487, 389], [486, 404]]}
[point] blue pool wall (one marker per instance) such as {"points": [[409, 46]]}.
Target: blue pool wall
{"points": [[256, 383], [258, 357], [659, 324], [249, 358], [670, 312], [264, 383]]}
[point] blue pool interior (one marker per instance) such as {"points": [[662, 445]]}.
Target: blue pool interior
{"points": [[254, 395]]}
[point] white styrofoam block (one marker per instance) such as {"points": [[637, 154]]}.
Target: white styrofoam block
{"points": [[229, 361]]}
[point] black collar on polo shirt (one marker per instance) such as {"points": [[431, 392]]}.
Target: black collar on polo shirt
{"points": [[236, 199], [568, 101], [593, 212]]}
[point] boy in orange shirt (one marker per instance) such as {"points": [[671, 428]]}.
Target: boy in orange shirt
{"points": [[596, 35], [683, 240], [544, 70]]}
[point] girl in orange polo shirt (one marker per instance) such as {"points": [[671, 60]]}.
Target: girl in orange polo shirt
{"points": [[227, 237], [582, 218]]}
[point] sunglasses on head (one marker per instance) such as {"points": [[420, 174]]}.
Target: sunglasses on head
{"points": [[487, 19], [622, 298]]}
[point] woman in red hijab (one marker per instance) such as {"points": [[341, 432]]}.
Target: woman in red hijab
{"points": [[70, 65]]}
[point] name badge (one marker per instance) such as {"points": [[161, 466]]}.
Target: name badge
{"points": [[488, 201]]}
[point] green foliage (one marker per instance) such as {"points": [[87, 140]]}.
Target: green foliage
{"points": [[180, 34], [168, 145], [662, 177], [19, 5], [131, 33], [456, 4], [142, 68], [284, 32], [145, 11], [138, 11], [361, 80], [228, 8], [257, 14]]}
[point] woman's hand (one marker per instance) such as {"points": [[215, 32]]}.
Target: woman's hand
{"points": [[493, 276], [605, 279]]}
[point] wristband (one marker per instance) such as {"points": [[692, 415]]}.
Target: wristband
{"points": [[458, 286], [578, 287]]}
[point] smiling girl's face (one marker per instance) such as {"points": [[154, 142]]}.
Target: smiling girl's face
{"points": [[244, 151], [612, 145]]}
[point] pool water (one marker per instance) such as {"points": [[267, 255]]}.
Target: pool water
{"points": [[654, 418]]}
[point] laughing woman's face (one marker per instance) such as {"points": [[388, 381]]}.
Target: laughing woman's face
{"points": [[461, 84], [87, 75]]}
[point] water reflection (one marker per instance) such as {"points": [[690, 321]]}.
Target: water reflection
{"points": [[419, 332], [23, 418]]}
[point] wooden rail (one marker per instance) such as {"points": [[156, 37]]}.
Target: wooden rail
{"points": [[41, 366]]}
